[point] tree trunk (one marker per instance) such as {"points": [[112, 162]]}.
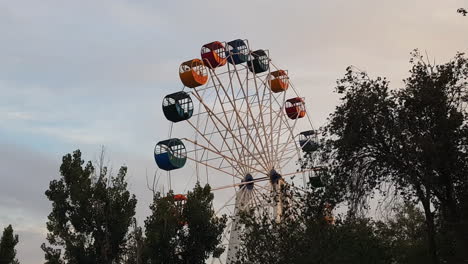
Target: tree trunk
{"points": [[431, 241]]}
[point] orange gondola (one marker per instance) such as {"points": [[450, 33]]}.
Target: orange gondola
{"points": [[328, 214], [295, 108], [193, 73], [279, 81], [214, 54]]}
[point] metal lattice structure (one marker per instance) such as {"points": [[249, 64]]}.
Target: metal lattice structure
{"points": [[244, 131]]}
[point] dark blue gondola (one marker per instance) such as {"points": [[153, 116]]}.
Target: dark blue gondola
{"points": [[170, 154], [259, 63], [237, 52], [177, 106]]}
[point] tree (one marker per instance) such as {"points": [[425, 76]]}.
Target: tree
{"points": [[414, 139], [305, 236], [8, 243], [404, 233], [91, 213], [186, 232], [462, 11], [135, 244]]}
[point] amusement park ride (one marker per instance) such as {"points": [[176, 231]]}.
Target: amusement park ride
{"points": [[248, 128]]}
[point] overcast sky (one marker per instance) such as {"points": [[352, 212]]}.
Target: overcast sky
{"points": [[81, 74]]}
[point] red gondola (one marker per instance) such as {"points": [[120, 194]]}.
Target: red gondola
{"points": [[180, 197], [214, 54], [295, 108]]}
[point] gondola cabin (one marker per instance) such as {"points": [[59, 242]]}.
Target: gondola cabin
{"points": [[177, 106], [177, 209], [213, 54], [295, 108], [259, 62], [317, 177], [170, 154], [237, 51], [193, 73], [180, 197], [179, 200], [308, 141], [278, 81]]}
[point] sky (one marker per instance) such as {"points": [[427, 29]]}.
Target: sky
{"points": [[91, 73]]}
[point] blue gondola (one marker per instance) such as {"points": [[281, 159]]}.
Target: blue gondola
{"points": [[259, 63], [170, 154], [237, 51]]}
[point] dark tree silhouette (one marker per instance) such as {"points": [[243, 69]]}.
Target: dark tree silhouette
{"points": [[462, 11], [414, 138], [91, 213], [183, 233], [8, 243]]}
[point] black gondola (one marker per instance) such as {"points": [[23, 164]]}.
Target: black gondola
{"points": [[259, 63], [308, 141], [177, 106]]}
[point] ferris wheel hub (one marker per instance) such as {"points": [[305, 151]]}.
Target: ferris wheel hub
{"points": [[274, 176], [248, 178]]}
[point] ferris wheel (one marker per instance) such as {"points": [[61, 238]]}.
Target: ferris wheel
{"points": [[239, 125]]}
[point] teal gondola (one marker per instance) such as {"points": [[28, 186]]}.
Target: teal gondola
{"points": [[259, 63], [170, 154], [177, 106]]}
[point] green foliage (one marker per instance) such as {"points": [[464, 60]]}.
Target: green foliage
{"points": [[406, 234], [183, 232], [135, 245], [8, 243], [304, 236], [462, 11], [90, 214], [414, 139]]}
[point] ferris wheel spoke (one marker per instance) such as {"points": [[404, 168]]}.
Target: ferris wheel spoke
{"points": [[246, 99], [224, 157], [221, 103], [240, 108], [290, 137], [240, 119], [214, 167], [216, 120], [284, 161], [261, 113], [214, 147], [225, 204], [230, 128]]}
